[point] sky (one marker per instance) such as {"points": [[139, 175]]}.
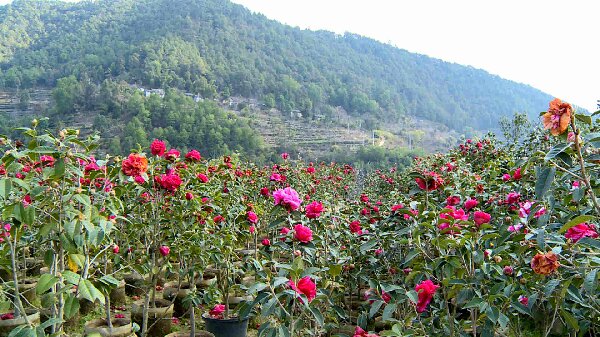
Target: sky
{"points": [[548, 44]]}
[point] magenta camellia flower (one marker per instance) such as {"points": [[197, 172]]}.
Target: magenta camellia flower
{"points": [[453, 200], [524, 300], [471, 203], [169, 182], [517, 174], [217, 311], [193, 155], [355, 227], [158, 147], [302, 233], [305, 286], [164, 250], [202, 177], [285, 155], [116, 249], [513, 197], [314, 210], [506, 177], [288, 198], [580, 231], [425, 290], [480, 218], [251, 217], [266, 242]]}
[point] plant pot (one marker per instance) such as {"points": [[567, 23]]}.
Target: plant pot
{"points": [[232, 327], [7, 325], [134, 284], [201, 333], [118, 296], [159, 317], [176, 292], [122, 327], [208, 279]]}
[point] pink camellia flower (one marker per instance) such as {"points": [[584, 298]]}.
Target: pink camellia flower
{"points": [[471, 203], [355, 227], [266, 242], [386, 297], [287, 198], [172, 155], [508, 270], [431, 181], [306, 287], [284, 231], [158, 147], [580, 231], [202, 177], [481, 217], [252, 229], [575, 184], [139, 180], [47, 160], [517, 174], [169, 182], [116, 249], [314, 209], [119, 315], [515, 228], [524, 300], [193, 155], [285, 155], [189, 196], [397, 207], [506, 177], [277, 177], [378, 251], [164, 250], [513, 197], [302, 233], [251, 217], [425, 290], [453, 200], [571, 137], [217, 311]]}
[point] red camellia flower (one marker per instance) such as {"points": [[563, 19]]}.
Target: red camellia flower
{"points": [[453, 200], [431, 181], [252, 217], [426, 290], [481, 218], [524, 300], [47, 160], [169, 182], [217, 311], [314, 209], [266, 242], [285, 156], [134, 165], [505, 177], [355, 227], [264, 191], [116, 249], [202, 177], [470, 204], [193, 155], [302, 233], [158, 147], [305, 286], [164, 250], [580, 231], [359, 332]]}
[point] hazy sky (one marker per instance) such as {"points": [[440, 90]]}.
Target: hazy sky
{"points": [[549, 44]]}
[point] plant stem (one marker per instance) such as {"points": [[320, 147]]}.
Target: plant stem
{"points": [[584, 175], [19, 310]]}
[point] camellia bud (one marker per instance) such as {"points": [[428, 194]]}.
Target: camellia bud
{"points": [[34, 122], [116, 249], [297, 253], [508, 270], [497, 258]]}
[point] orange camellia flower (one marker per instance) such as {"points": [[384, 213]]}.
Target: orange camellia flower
{"points": [[134, 165], [558, 117], [544, 264]]}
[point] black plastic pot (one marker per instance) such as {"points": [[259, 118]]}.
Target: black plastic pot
{"points": [[232, 327]]}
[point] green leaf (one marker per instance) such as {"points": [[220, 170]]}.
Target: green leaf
{"points": [[571, 321], [589, 242], [375, 306], [473, 303], [503, 320], [575, 221], [584, 118], [256, 287], [71, 306], [544, 179], [88, 291], [589, 283], [71, 277], [368, 245], [550, 286], [45, 283], [493, 314], [413, 296], [318, 316], [5, 187], [555, 150], [388, 311]]}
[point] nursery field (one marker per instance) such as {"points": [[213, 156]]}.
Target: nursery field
{"points": [[488, 239]]}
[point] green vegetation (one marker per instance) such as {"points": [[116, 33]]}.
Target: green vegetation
{"points": [[216, 48]]}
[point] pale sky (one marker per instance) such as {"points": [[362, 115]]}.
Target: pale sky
{"points": [[549, 44]]}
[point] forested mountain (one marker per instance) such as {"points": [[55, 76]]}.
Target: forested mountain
{"points": [[214, 46]]}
